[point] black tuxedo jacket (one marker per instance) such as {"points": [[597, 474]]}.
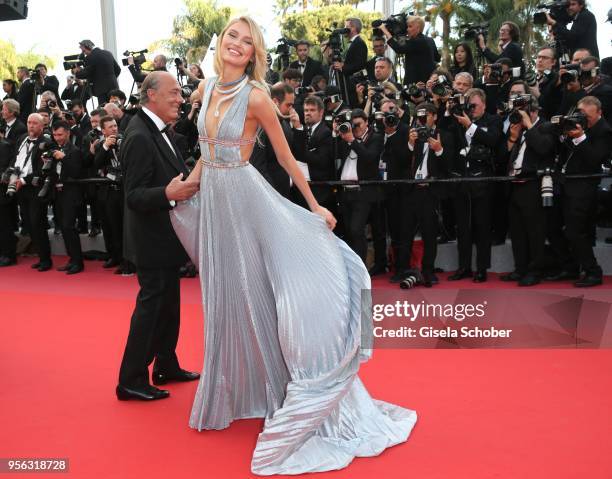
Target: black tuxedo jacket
{"points": [[489, 133], [583, 33], [76, 92], [540, 151], [51, 84], [513, 51], [318, 153], [25, 97], [72, 168], [396, 155], [437, 166], [419, 61], [17, 130], [312, 69], [368, 158], [149, 164], [102, 70], [356, 59]]}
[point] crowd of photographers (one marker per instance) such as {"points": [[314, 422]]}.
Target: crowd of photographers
{"points": [[530, 123]]}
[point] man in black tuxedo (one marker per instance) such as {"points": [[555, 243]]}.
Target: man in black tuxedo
{"points": [[76, 89], [308, 67], [583, 33], [355, 59], [313, 146], [14, 127], [584, 151], [68, 197], [419, 60], [153, 173], [263, 157], [26, 96], [159, 65], [28, 160], [82, 119], [594, 84], [530, 146], [100, 69], [379, 45], [47, 83], [479, 139], [509, 46], [359, 151]]}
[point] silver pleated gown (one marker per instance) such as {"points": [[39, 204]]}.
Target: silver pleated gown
{"points": [[282, 303]]}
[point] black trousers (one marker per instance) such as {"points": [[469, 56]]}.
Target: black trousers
{"points": [[154, 327], [562, 259], [396, 219], [36, 211], [578, 216], [8, 240], [421, 213], [68, 204], [527, 227], [112, 222], [473, 212], [356, 205], [378, 224]]}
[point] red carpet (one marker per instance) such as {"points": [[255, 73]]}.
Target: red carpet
{"points": [[482, 413]]}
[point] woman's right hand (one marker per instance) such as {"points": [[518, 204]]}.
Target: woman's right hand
{"points": [[326, 215]]}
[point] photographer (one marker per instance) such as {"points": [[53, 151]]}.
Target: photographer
{"points": [[481, 135], [159, 64], [496, 82], [46, 83], [379, 45], [81, 117], [508, 45], [68, 163], [13, 127], [111, 196], [193, 72], [314, 151], [122, 118], [366, 90], [333, 104], [308, 67], [75, 89], [355, 58], [100, 69], [186, 125], [26, 96], [530, 147], [29, 164], [594, 85], [419, 60], [117, 97], [547, 89], [583, 33], [359, 150], [571, 89], [431, 152], [90, 141], [585, 148]]}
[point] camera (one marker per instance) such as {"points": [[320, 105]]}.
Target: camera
{"points": [[284, 46], [186, 91], [94, 135], [10, 177], [303, 90], [589, 74], [360, 77], [557, 10], [547, 188], [569, 122], [134, 99], [413, 91], [139, 57], [114, 174], [442, 86], [571, 74], [389, 119], [344, 117], [52, 104], [516, 103], [117, 144], [179, 63], [396, 24], [335, 43], [472, 30], [71, 61], [332, 99], [458, 104]]}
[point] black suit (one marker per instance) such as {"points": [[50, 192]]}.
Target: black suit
{"points": [[16, 131], [312, 69], [512, 51], [76, 92], [51, 84], [583, 33], [102, 70], [580, 195], [419, 62], [26, 98], [149, 164], [355, 59], [357, 202]]}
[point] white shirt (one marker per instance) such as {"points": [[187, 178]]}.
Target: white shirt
{"points": [[9, 125], [23, 160], [349, 171], [517, 165], [422, 169], [159, 123]]}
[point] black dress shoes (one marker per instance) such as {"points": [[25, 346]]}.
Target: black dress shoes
{"points": [[35, 265], [179, 376], [461, 273], [514, 276], [375, 270], [44, 266], [429, 279], [563, 276], [65, 267], [588, 281], [529, 280], [480, 276], [5, 261], [141, 393], [75, 268], [110, 263]]}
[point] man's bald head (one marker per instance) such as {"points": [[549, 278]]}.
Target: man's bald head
{"points": [[161, 93], [113, 110], [36, 124]]}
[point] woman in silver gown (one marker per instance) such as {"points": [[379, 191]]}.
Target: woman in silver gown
{"points": [[282, 294]]}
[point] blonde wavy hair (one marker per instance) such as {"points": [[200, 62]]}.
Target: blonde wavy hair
{"points": [[256, 70]]}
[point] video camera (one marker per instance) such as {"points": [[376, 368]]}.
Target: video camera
{"points": [[139, 57], [335, 43], [472, 30], [557, 10], [569, 122], [71, 61], [396, 24]]}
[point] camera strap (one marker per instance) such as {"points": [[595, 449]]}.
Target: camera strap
{"points": [[114, 160]]}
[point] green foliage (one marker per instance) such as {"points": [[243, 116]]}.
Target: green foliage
{"points": [[313, 25], [192, 31], [10, 60]]}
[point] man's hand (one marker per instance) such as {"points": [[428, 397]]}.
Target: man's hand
{"points": [[385, 30], [110, 142], [18, 185], [348, 136], [463, 120], [412, 137], [481, 42], [130, 60], [435, 144], [550, 20], [92, 146], [338, 66], [294, 118], [59, 155], [526, 119], [179, 190]]}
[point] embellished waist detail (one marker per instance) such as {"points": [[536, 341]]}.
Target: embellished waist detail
{"points": [[224, 164], [217, 141]]}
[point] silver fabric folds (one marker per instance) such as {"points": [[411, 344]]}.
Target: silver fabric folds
{"points": [[282, 313]]}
